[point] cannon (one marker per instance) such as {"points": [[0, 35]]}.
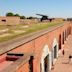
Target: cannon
{"points": [[44, 17]]}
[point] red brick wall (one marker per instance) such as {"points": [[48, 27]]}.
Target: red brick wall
{"points": [[37, 46], [9, 20], [28, 47], [24, 68]]}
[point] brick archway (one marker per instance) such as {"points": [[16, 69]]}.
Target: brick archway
{"points": [[63, 38], [60, 42], [54, 52], [46, 59], [65, 35]]}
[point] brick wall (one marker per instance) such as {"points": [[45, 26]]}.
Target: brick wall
{"points": [[9, 20], [23, 68], [37, 44]]}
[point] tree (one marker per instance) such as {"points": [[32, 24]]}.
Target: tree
{"points": [[17, 15], [22, 17], [9, 14], [30, 17]]}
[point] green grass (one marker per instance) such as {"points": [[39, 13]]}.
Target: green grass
{"points": [[31, 29]]}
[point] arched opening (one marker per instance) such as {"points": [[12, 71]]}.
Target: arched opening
{"points": [[54, 51], [65, 34], [31, 64], [69, 30], [46, 66], [63, 38], [46, 60], [59, 41]]}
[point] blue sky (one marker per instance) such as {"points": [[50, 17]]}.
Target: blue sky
{"points": [[52, 8]]}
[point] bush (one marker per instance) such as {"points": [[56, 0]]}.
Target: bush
{"points": [[9, 14]]}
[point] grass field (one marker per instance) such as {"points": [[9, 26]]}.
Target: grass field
{"points": [[18, 30]]}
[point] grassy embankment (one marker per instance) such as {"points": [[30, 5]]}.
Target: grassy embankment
{"points": [[25, 30]]}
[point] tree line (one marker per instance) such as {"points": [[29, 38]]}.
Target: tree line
{"points": [[21, 17]]}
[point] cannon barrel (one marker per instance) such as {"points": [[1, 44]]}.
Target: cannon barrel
{"points": [[42, 15]]}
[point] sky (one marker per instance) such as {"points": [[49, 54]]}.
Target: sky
{"points": [[52, 8]]}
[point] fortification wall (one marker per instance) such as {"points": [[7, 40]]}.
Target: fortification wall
{"points": [[9, 20], [43, 45]]}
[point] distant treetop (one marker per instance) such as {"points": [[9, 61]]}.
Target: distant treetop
{"points": [[17, 15], [21, 17], [9, 14]]}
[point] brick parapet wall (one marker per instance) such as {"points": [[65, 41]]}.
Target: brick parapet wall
{"points": [[9, 20], [35, 43]]}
